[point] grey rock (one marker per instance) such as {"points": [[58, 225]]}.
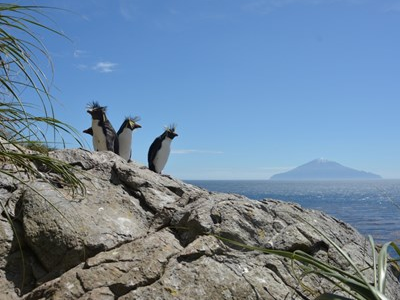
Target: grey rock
{"points": [[6, 238], [134, 264], [62, 231], [136, 234]]}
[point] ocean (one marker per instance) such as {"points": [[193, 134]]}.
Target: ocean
{"points": [[370, 206]]}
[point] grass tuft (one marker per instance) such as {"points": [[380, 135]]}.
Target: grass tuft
{"points": [[26, 124]]}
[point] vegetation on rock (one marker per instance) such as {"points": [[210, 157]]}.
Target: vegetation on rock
{"points": [[26, 105]]}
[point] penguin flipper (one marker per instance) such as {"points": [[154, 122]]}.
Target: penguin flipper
{"points": [[110, 143], [89, 131], [116, 146], [112, 139], [155, 146]]}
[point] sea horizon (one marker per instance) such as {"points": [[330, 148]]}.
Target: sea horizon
{"points": [[338, 179]]}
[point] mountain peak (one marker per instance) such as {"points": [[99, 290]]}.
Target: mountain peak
{"points": [[320, 160], [323, 169]]}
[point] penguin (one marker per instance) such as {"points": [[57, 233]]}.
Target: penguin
{"points": [[160, 149], [124, 135], [104, 135]]}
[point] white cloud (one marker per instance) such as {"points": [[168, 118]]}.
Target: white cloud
{"points": [[173, 11], [221, 173], [102, 67], [395, 7], [267, 6], [127, 9], [82, 67], [80, 53], [193, 151], [276, 169], [105, 67]]}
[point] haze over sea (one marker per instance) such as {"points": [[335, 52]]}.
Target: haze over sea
{"points": [[370, 206]]}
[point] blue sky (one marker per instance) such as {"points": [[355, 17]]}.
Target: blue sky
{"points": [[256, 87]]}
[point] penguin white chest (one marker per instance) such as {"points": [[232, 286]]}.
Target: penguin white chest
{"points": [[99, 138], [125, 143], [162, 155]]}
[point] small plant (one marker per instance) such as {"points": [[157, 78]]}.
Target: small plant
{"points": [[351, 282], [25, 124], [20, 74]]}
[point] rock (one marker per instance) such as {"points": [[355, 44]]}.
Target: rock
{"points": [[137, 263], [75, 229], [136, 234], [6, 238]]}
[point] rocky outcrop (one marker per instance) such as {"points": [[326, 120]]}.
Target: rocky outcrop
{"points": [[140, 235]]}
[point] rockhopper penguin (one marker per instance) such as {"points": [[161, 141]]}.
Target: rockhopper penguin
{"points": [[125, 137], [104, 135], [160, 149]]}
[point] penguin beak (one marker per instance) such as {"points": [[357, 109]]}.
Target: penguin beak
{"points": [[134, 125]]}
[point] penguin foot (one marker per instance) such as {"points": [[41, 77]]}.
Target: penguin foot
{"points": [[166, 175]]}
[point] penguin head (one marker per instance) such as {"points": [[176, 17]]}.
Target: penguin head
{"points": [[131, 123], [170, 131], [96, 111]]}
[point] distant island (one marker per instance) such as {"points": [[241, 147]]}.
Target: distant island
{"points": [[323, 169]]}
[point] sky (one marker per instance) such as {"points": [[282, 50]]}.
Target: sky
{"points": [[256, 87]]}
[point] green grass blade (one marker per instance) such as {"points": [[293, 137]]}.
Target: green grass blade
{"points": [[328, 296], [371, 240], [382, 267]]}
